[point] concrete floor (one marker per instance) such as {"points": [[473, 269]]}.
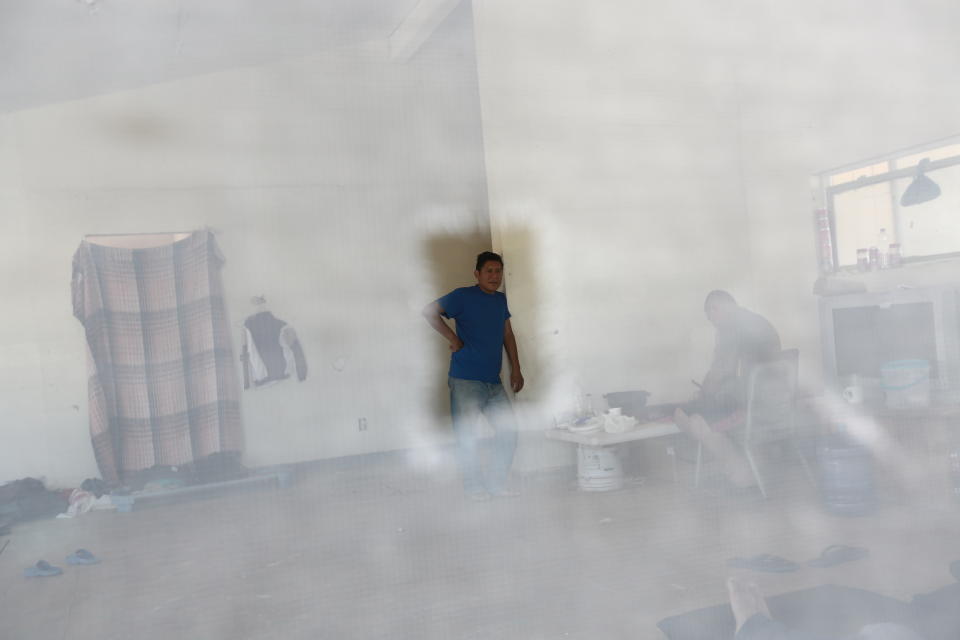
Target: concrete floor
{"points": [[389, 549]]}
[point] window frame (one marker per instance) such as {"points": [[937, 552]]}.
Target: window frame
{"points": [[830, 191]]}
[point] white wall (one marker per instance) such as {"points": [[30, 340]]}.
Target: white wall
{"points": [[347, 188], [614, 179], [641, 154], [822, 84], [636, 156]]}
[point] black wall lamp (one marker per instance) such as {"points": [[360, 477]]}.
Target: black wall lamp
{"points": [[922, 189]]}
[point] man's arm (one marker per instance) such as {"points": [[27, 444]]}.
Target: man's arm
{"points": [[433, 312], [510, 344]]}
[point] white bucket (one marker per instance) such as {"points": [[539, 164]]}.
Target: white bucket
{"points": [[906, 383], [598, 469]]}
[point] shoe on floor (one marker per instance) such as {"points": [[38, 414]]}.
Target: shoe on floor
{"points": [[764, 562], [42, 569], [82, 556], [838, 554]]}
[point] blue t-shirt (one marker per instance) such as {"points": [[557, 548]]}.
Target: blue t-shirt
{"points": [[480, 321]]}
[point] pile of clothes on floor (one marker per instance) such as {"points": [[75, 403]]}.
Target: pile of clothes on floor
{"points": [[28, 499], [91, 495]]}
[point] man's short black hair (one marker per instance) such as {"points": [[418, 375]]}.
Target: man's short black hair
{"points": [[718, 296], [486, 257]]}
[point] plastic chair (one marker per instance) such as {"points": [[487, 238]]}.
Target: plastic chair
{"points": [[770, 411]]}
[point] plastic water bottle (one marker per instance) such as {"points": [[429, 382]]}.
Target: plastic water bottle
{"points": [[884, 244]]}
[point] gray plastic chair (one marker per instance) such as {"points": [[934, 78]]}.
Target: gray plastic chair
{"points": [[771, 409]]}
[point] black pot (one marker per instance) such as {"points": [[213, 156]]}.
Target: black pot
{"points": [[631, 403]]}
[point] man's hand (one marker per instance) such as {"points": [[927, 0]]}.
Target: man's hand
{"points": [[516, 380], [433, 312]]}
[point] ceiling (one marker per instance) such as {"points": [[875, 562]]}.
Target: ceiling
{"points": [[56, 50]]}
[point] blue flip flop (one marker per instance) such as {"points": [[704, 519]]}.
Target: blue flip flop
{"points": [[82, 556], [764, 562], [838, 554], [42, 569]]}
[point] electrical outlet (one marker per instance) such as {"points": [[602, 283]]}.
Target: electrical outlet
{"points": [[362, 424]]}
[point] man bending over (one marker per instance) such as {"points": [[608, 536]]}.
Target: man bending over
{"points": [[743, 340]]}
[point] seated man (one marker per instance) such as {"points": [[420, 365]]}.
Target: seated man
{"points": [[744, 339]]}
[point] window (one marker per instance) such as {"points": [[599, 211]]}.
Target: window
{"points": [[865, 210]]}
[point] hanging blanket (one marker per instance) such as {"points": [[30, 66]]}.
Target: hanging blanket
{"points": [[163, 387]]}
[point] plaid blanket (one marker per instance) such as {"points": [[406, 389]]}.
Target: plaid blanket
{"points": [[163, 388]]}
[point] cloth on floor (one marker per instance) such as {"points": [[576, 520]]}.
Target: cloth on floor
{"points": [[83, 501], [27, 499], [96, 486], [938, 613], [760, 627], [159, 486], [163, 386], [80, 502], [218, 467], [158, 478], [271, 351], [828, 610]]}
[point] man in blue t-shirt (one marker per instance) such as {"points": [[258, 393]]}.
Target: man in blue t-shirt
{"points": [[483, 332]]}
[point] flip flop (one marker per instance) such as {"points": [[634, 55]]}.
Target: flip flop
{"points": [[82, 556], [42, 569], [838, 554], [764, 562]]}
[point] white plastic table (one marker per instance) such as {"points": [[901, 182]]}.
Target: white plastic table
{"points": [[590, 443], [603, 439]]}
